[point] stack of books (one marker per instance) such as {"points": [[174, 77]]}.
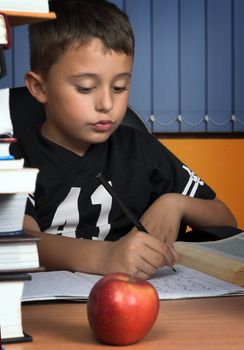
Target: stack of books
{"points": [[18, 250]]}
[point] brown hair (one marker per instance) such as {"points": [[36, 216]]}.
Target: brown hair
{"points": [[78, 21]]}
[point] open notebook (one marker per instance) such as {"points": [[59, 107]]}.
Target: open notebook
{"points": [[184, 283]]}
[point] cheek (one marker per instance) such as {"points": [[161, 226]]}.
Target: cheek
{"points": [[121, 103], [71, 105]]}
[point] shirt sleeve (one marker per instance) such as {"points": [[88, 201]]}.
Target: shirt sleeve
{"points": [[30, 207], [169, 175]]}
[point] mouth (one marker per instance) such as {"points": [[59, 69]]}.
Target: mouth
{"points": [[103, 125]]}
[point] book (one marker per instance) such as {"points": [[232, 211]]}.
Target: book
{"points": [[39, 6], [223, 258], [6, 126], [11, 163], [18, 253], [5, 143], [11, 290], [184, 283], [12, 211], [5, 32], [3, 65], [18, 180]]}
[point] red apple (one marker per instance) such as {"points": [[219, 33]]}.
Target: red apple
{"points": [[122, 309]]}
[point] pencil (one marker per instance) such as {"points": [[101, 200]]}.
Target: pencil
{"points": [[122, 206]]}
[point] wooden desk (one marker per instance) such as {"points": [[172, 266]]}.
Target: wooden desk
{"points": [[196, 324]]}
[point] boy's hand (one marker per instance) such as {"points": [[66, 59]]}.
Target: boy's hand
{"points": [[162, 219], [139, 254]]}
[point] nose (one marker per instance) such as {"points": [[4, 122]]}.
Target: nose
{"points": [[104, 101]]}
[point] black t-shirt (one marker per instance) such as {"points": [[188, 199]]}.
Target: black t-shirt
{"points": [[69, 199]]}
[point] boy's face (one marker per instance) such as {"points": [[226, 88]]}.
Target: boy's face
{"points": [[86, 95]]}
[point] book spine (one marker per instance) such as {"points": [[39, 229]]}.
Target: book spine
{"points": [[15, 276], [5, 142], [0, 340], [11, 233], [25, 338], [7, 157]]}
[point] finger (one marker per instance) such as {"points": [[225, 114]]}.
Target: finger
{"points": [[169, 256], [165, 260], [154, 258], [166, 252], [146, 267], [173, 250], [140, 274], [166, 257], [143, 275]]}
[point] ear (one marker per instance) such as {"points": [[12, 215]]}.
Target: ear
{"points": [[36, 86]]}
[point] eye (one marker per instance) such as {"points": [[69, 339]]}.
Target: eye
{"points": [[119, 89], [84, 90]]}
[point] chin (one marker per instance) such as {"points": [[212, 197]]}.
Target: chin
{"points": [[102, 137]]}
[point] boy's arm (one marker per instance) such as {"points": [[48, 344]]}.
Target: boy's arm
{"points": [[135, 253], [201, 213], [163, 217]]}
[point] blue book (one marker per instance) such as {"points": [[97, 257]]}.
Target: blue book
{"points": [[9, 157]]}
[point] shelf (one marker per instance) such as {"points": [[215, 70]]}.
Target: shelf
{"points": [[20, 18]]}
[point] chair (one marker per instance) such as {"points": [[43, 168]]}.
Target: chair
{"points": [[26, 111]]}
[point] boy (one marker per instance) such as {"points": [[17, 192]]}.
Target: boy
{"points": [[81, 67]]}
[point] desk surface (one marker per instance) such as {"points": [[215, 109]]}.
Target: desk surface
{"points": [[192, 324]]}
